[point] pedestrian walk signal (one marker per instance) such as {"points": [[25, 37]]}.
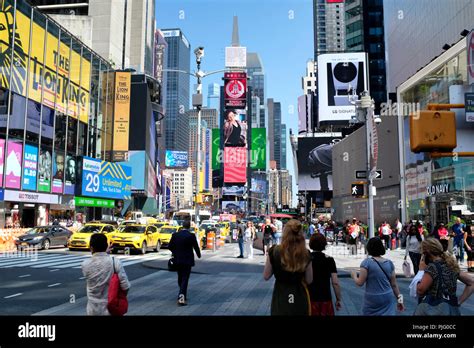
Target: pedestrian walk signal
{"points": [[357, 190]]}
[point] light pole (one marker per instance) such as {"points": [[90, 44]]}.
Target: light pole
{"points": [[197, 102]]}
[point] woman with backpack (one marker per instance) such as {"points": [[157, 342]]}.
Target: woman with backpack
{"points": [[413, 247], [439, 283]]}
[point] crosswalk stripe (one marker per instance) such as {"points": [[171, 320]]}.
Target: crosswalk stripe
{"points": [[35, 258], [41, 263]]}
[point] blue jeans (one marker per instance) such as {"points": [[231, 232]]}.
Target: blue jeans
{"points": [[241, 246], [278, 238], [460, 253]]}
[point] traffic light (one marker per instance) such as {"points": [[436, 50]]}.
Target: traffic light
{"points": [[357, 189], [433, 131]]}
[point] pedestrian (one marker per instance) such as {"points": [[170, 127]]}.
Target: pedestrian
{"points": [[268, 231], [182, 244], [312, 228], [98, 270], [354, 230], [458, 239], [439, 283], [290, 263], [279, 230], [469, 244], [324, 273], [413, 248], [378, 275], [398, 232], [240, 238], [385, 233], [249, 237], [443, 236]]}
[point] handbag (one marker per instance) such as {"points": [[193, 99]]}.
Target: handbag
{"points": [[117, 304], [406, 269], [441, 304], [172, 264]]}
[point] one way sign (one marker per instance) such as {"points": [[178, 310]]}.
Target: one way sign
{"points": [[357, 190]]}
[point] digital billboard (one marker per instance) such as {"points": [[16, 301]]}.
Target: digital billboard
{"points": [[233, 205], [233, 190], [70, 175], [258, 186], [338, 75], [44, 171], [235, 89], [13, 164], [235, 128], [176, 159], [58, 172], [235, 165], [216, 143], [121, 115], [30, 168], [258, 149], [105, 179], [2, 154], [315, 162]]}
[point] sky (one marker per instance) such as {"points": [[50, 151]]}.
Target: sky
{"points": [[280, 31]]}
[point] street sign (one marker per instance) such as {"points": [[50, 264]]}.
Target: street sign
{"points": [[357, 189], [378, 174], [362, 174]]}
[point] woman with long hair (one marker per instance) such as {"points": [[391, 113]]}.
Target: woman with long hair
{"points": [[439, 282], [290, 263], [469, 245], [413, 247], [249, 237]]}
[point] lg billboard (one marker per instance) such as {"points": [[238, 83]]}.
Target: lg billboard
{"points": [[339, 76]]}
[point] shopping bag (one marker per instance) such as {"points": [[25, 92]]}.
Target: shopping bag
{"points": [[406, 269]]}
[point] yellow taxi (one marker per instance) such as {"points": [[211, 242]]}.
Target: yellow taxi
{"points": [[225, 228], [166, 232], [136, 237], [200, 233], [81, 239]]}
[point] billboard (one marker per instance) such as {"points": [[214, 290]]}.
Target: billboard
{"points": [[13, 164], [315, 162], [258, 148], [70, 175], [259, 186], [235, 90], [44, 171], [236, 57], [338, 75], [216, 143], [233, 205], [105, 179], [235, 165], [121, 115], [176, 159], [30, 168], [235, 128], [2, 155], [58, 172], [233, 190], [61, 73]]}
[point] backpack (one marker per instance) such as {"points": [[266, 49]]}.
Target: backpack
{"points": [[268, 232], [117, 298]]}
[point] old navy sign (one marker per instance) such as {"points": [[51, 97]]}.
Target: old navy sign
{"points": [[436, 189]]}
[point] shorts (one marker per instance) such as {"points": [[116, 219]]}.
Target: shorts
{"points": [[322, 308], [267, 241]]}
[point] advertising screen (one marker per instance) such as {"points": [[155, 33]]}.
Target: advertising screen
{"points": [[70, 175], [233, 205], [216, 139], [30, 168], [13, 164], [235, 128], [235, 165], [338, 75], [58, 173], [259, 186], [2, 155], [259, 149], [315, 162], [176, 159], [105, 179], [44, 171], [235, 90], [233, 190], [121, 115]]}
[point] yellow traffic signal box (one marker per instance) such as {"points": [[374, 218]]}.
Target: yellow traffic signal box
{"points": [[432, 131]]}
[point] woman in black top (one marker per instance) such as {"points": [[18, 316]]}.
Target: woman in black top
{"points": [[469, 244], [324, 272], [290, 263]]}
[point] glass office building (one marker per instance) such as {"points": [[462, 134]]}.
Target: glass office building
{"points": [[56, 104]]}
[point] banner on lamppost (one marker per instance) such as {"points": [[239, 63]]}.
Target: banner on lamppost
{"points": [[258, 150], [216, 139], [235, 90]]}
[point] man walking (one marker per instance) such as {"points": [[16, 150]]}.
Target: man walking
{"points": [[458, 233], [279, 231], [240, 238], [182, 245]]}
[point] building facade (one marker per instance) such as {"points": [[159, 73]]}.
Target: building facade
{"points": [[56, 115], [181, 196], [213, 96], [274, 131], [177, 90], [329, 26], [256, 82]]}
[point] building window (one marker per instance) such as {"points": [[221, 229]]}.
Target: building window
{"points": [[308, 83]]}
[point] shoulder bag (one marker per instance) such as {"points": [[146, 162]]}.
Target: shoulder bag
{"points": [[117, 298], [441, 304], [172, 264]]}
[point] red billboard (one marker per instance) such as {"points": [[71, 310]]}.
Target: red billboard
{"points": [[334, 1], [235, 165], [235, 90]]}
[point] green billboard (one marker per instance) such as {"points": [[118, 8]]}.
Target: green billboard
{"points": [[94, 202], [216, 143], [258, 150]]}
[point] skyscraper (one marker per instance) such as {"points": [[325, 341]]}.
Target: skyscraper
{"points": [[274, 131], [142, 35], [256, 74], [213, 96], [329, 26], [284, 136], [177, 90]]}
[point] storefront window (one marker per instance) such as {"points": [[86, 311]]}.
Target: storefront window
{"points": [[33, 118]]}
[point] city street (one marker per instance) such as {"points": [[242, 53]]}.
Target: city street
{"points": [[220, 284]]}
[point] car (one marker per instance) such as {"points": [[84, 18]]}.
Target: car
{"points": [[160, 224], [81, 239], [166, 232], [136, 237], [44, 237]]}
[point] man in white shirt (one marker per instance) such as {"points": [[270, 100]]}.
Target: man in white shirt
{"points": [[399, 228]]}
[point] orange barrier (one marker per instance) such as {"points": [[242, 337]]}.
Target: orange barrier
{"points": [[211, 238]]}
